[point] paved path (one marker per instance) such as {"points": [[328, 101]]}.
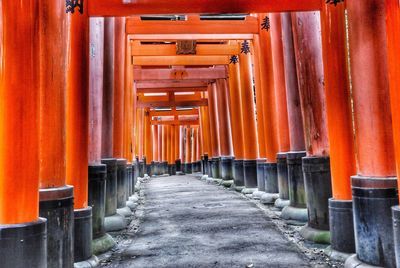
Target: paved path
{"points": [[188, 223]]}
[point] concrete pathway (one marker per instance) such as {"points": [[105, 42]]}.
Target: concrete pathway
{"points": [[188, 223]]}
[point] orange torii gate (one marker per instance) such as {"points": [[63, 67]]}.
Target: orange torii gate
{"points": [[14, 45]]}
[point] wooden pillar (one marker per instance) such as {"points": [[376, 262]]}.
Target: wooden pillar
{"points": [[251, 150], [205, 129], [19, 146], [130, 111], [214, 129], [160, 149], [340, 127], [148, 141], [176, 143], [119, 88], [392, 24], [108, 89], [155, 142], [53, 29], [310, 73], [373, 133], [296, 131], [164, 143], [188, 144], [141, 129], [278, 66]]}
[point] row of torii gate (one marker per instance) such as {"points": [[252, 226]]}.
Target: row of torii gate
{"points": [[271, 90]]}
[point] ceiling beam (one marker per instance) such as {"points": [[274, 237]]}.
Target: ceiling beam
{"points": [[174, 112], [138, 49], [199, 37], [180, 60], [129, 7], [194, 122], [170, 84], [180, 74], [167, 89], [171, 104], [193, 25]]}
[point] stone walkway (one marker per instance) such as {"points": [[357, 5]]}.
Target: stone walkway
{"points": [[188, 223]]}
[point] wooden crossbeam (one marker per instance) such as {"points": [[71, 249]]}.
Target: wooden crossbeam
{"points": [[170, 84], [138, 49], [176, 37], [169, 104], [194, 122], [167, 89], [180, 60], [180, 74], [174, 112], [131, 7], [193, 25]]}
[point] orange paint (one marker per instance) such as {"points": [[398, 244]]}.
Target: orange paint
{"points": [[108, 89], [164, 143], [194, 145], [177, 142], [205, 129], [148, 140], [155, 142], [369, 72], [118, 8], [130, 144], [119, 90], [54, 37], [296, 132], [19, 104], [95, 88], [188, 145], [282, 124], [78, 110], [236, 111], [338, 103], [160, 149], [214, 129], [393, 41], [224, 118], [248, 108], [259, 98], [310, 73], [141, 129], [264, 51]]}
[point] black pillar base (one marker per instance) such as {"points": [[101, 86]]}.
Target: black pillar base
{"points": [[261, 174], [189, 168], [250, 173], [24, 245], [283, 183], [169, 169], [194, 167], [111, 186], [165, 167], [129, 173], [297, 210], [97, 200], [227, 168], [317, 180], [83, 234], [122, 195], [141, 168], [173, 170], [148, 169], [57, 206], [215, 167], [135, 167], [238, 173], [153, 169], [342, 226], [373, 199], [205, 165], [178, 164], [271, 175], [396, 232]]}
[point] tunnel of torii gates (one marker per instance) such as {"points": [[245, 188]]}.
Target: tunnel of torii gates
{"points": [[280, 101]]}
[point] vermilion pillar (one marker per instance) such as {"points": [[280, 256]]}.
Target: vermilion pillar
{"points": [[148, 140], [214, 131], [97, 170], [297, 207], [236, 124], [374, 187], [188, 150], [205, 133], [248, 120], [176, 148], [53, 29], [316, 169], [77, 134], [281, 110], [108, 89], [154, 170], [340, 127], [193, 149], [164, 152], [225, 133], [392, 24], [119, 88], [19, 146]]}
